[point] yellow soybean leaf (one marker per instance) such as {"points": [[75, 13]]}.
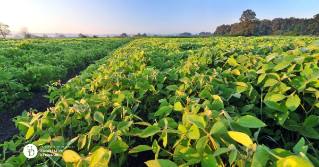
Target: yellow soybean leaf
{"points": [[241, 138], [236, 72], [30, 132], [70, 156]]}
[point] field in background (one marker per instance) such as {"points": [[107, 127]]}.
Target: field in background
{"points": [[28, 65], [192, 101]]}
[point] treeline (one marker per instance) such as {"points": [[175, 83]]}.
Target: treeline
{"points": [[249, 25]]}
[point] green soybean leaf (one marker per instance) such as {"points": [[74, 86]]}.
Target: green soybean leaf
{"points": [[270, 82], [247, 107], [309, 132], [172, 87], [99, 117], [221, 151], [164, 110], [149, 131], [280, 152], [299, 60], [218, 128], [274, 76], [273, 105], [182, 128], [299, 82], [293, 102], [300, 147], [201, 145], [313, 159], [160, 163], [250, 122], [261, 78], [311, 121], [197, 120], [274, 97], [282, 118], [140, 148], [161, 78], [217, 104], [189, 153], [43, 140], [205, 93], [281, 66], [293, 161], [81, 142], [118, 146], [270, 57], [315, 74], [191, 162], [193, 132], [209, 161], [260, 157], [57, 142], [94, 130], [232, 156], [124, 125]]}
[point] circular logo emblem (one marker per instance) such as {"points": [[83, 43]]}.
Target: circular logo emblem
{"points": [[30, 151]]}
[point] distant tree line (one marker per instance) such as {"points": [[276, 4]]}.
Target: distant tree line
{"points": [[249, 25], [139, 35], [185, 34], [86, 36], [205, 34]]}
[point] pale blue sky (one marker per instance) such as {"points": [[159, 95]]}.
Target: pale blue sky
{"points": [[144, 16]]}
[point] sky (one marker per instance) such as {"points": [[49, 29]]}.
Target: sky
{"points": [[142, 16]]}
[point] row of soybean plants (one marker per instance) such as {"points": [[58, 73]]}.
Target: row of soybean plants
{"points": [[27, 65], [185, 102]]}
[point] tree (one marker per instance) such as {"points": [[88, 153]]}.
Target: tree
{"points": [[4, 30], [138, 35], [61, 36], [222, 30], [80, 35], [144, 35], [276, 24], [248, 20], [123, 35], [24, 31], [313, 26], [95, 36], [237, 29], [45, 36], [26, 36]]}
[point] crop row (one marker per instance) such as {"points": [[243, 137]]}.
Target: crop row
{"points": [[212, 101], [28, 65]]}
